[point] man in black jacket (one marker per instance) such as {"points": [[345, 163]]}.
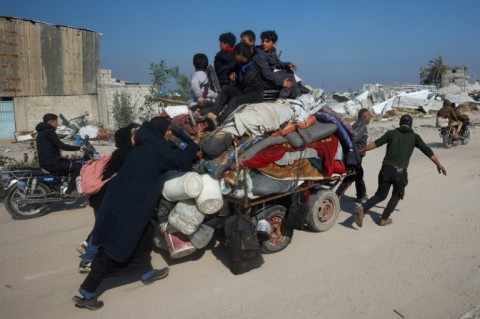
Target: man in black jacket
{"points": [[48, 151], [248, 88]]}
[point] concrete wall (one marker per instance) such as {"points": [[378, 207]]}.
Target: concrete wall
{"points": [[108, 87], [30, 110]]}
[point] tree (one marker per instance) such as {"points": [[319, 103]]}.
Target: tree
{"points": [[161, 75], [123, 110], [182, 80], [436, 69]]}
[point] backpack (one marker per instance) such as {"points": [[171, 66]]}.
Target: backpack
{"points": [[90, 181], [243, 247]]}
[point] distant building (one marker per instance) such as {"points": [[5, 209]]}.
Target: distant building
{"points": [[47, 68], [453, 75]]}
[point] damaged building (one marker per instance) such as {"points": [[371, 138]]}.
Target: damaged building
{"points": [[49, 68]]}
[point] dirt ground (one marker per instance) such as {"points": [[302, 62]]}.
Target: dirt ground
{"points": [[425, 265]]}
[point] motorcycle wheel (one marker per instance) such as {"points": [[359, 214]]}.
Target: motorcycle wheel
{"points": [[466, 137], [280, 233], [323, 211], [447, 140], [25, 211]]}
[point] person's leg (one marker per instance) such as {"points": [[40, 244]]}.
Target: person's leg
{"points": [[458, 127], [344, 185], [87, 257], [384, 183], [236, 101], [361, 189], [66, 167], [225, 95], [101, 267], [399, 183]]}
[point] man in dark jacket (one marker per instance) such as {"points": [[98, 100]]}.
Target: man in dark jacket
{"points": [[248, 88], [400, 144], [123, 231], [224, 60], [277, 74], [48, 151], [360, 140]]}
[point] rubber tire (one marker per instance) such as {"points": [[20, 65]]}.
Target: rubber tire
{"points": [[38, 209], [447, 140], [466, 137], [328, 202], [280, 236]]}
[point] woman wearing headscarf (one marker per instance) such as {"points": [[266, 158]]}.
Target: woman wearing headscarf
{"points": [[124, 144], [123, 230]]}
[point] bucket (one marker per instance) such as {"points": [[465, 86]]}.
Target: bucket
{"points": [[210, 199], [202, 236], [178, 244], [182, 185], [185, 216], [263, 230], [159, 238]]}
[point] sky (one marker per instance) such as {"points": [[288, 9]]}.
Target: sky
{"points": [[337, 45]]}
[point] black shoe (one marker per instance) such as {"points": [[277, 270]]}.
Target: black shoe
{"points": [[159, 274], [90, 304]]}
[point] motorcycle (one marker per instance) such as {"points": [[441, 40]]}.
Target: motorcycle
{"points": [[448, 134], [31, 191]]}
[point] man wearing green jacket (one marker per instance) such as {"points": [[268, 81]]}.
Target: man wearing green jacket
{"points": [[400, 144]]}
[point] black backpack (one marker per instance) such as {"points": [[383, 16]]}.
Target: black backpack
{"points": [[243, 247]]}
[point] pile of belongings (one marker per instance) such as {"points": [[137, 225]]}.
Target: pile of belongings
{"points": [[262, 149]]}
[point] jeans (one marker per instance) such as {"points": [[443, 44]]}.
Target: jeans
{"points": [[389, 176], [90, 252]]}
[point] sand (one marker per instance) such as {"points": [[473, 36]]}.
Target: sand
{"points": [[425, 265]]}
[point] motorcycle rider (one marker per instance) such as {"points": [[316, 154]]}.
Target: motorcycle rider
{"points": [[447, 111], [461, 117], [48, 151]]}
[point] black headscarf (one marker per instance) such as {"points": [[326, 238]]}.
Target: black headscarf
{"points": [[159, 125], [123, 143]]}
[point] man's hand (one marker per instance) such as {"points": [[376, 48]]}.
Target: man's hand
{"points": [[233, 76], [83, 148], [200, 134], [441, 170], [201, 104], [292, 66]]}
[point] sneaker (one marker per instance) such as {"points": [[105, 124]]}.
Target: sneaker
{"points": [[385, 222], [84, 267], [82, 249], [358, 216], [90, 304], [159, 274]]}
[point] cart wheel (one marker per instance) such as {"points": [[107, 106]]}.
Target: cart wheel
{"points": [[280, 232], [323, 210]]}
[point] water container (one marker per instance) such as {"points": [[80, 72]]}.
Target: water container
{"points": [[179, 245], [263, 230], [182, 185], [210, 199], [185, 216], [202, 236]]}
